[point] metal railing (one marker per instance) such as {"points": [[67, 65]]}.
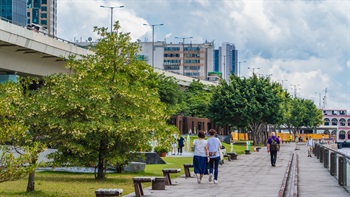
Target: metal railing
{"points": [[336, 162]]}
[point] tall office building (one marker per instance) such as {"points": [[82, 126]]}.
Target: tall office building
{"points": [[226, 58], [192, 60], [14, 11], [44, 13]]}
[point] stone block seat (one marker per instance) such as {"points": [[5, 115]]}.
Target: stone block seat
{"points": [[233, 156], [187, 167], [108, 192], [166, 173]]}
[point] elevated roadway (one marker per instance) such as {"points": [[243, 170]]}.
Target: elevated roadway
{"points": [[26, 52]]}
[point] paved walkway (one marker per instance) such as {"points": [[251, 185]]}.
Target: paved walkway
{"points": [[253, 175]]}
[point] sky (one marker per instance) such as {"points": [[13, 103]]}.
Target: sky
{"points": [[302, 44]]}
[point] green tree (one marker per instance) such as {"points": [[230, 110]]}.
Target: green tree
{"points": [[253, 103], [302, 113], [17, 151], [170, 93], [196, 100], [106, 108]]}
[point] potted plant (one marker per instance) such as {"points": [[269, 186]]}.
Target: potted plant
{"points": [[161, 150]]}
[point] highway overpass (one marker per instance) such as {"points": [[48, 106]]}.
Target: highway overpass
{"points": [[26, 52]]}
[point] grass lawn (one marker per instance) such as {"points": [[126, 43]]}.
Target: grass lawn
{"points": [[82, 184]]}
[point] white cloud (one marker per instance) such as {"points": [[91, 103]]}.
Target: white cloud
{"points": [[306, 42]]}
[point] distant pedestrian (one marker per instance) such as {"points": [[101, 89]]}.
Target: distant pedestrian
{"points": [[200, 158], [174, 145], [273, 145], [213, 146], [181, 144], [310, 145]]}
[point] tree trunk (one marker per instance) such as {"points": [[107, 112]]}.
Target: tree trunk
{"points": [[31, 182], [100, 165]]}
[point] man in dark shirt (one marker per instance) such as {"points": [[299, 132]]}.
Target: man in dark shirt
{"points": [[271, 150], [181, 144]]}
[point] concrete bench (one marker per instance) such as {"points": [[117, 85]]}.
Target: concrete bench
{"points": [[233, 156], [228, 157], [166, 173], [187, 167], [247, 152], [108, 192], [138, 184]]}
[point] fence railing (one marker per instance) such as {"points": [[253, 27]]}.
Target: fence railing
{"points": [[336, 162]]}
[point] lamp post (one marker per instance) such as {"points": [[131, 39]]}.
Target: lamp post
{"points": [[319, 99], [111, 7], [295, 89], [153, 25], [253, 68], [282, 81], [239, 68], [183, 52]]}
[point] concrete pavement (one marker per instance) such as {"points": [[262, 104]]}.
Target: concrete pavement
{"points": [[253, 175]]}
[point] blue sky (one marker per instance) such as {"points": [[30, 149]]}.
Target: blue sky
{"points": [[304, 42]]}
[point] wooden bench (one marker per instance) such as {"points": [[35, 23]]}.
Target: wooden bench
{"points": [[158, 183], [108, 192], [247, 152], [187, 167], [166, 173], [138, 184], [233, 156], [228, 157]]}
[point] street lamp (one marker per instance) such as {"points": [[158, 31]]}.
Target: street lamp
{"points": [[239, 68], [153, 25], [253, 69], [111, 7], [319, 99], [183, 52], [295, 89]]}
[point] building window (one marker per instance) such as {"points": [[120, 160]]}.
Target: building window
{"points": [[44, 1], [334, 132], [334, 122], [192, 67], [43, 15], [326, 122], [326, 132], [342, 122], [44, 8], [341, 135], [348, 122], [43, 22], [171, 48], [172, 55], [192, 74], [171, 67], [192, 61], [348, 134]]}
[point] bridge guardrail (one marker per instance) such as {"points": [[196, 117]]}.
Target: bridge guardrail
{"points": [[338, 163]]}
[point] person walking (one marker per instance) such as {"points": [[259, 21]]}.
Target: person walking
{"points": [[213, 147], [200, 158], [273, 145], [310, 145], [181, 144]]}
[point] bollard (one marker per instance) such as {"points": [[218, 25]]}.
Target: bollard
{"points": [[341, 171], [321, 154], [326, 158], [333, 164]]}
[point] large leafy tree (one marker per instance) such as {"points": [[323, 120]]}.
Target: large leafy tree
{"points": [[106, 108], [170, 93], [17, 151], [196, 100], [302, 113], [253, 102]]}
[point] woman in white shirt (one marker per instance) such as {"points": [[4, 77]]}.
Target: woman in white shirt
{"points": [[200, 158], [213, 146]]}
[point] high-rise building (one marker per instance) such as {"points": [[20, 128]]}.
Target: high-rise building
{"points": [[44, 13], [192, 60], [226, 60], [14, 11]]}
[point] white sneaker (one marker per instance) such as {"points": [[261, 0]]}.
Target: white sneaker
{"points": [[210, 177], [198, 179], [216, 181]]}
